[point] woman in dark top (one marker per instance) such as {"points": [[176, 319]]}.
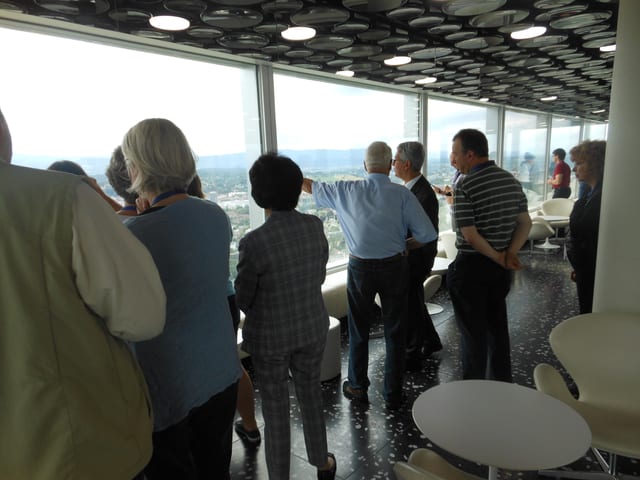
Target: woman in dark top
{"points": [[584, 222]]}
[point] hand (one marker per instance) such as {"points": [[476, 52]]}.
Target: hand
{"points": [[142, 204], [573, 276], [512, 262], [93, 183], [438, 190], [307, 185]]}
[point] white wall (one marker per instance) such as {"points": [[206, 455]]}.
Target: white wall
{"points": [[617, 285]]}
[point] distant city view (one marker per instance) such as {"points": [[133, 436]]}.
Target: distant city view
{"points": [[225, 181]]}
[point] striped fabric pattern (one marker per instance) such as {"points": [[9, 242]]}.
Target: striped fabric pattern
{"points": [[489, 199]]}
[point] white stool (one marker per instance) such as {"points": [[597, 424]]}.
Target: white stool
{"points": [[330, 367], [241, 353]]}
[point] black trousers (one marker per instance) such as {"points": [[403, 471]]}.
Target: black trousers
{"points": [[562, 192], [421, 332], [199, 446], [478, 288]]}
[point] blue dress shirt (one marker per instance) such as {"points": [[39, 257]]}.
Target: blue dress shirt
{"points": [[375, 214]]}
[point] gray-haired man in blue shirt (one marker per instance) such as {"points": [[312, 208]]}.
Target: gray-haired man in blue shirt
{"points": [[375, 215]]}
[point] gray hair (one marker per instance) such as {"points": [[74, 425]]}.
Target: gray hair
{"points": [[378, 156], [5, 141], [159, 153], [118, 176], [413, 152]]}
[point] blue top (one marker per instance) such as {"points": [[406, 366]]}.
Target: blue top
{"points": [[196, 355], [375, 214]]}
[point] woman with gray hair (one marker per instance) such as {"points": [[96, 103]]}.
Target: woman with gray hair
{"points": [[584, 222], [192, 368]]}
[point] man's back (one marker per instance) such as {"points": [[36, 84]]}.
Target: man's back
{"points": [[375, 215], [74, 401], [489, 199]]}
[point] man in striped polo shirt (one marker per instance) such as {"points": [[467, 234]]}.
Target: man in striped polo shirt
{"points": [[492, 224]]}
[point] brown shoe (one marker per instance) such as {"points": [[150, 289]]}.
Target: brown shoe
{"points": [[331, 473], [355, 394]]}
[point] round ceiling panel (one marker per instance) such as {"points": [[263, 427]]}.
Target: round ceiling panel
{"points": [[480, 42], [429, 53], [329, 42], [360, 51], [426, 21], [372, 5], [581, 20], [498, 18], [468, 8], [232, 17], [320, 16]]}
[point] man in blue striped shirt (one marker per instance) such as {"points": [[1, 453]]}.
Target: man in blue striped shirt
{"points": [[375, 216], [492, 224]]}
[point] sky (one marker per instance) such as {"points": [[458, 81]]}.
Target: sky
{"points": [[65, 97], [68, 98]]}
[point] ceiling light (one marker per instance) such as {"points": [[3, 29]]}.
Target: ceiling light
{"points": [[483, 99], [169, 22], [549, 99], [599, 111], [608, 48], [298, 33], [426, 80], [345, 73], [531, 32], [395, 61]]}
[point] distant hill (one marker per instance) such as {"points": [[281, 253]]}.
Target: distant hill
{"points": [[306, 159], [312, 160]]}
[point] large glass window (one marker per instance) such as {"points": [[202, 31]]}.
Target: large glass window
{"points": [[445, 119], [524, 152], [594, 131], [74, 100], [326, 127], [565, 134]]}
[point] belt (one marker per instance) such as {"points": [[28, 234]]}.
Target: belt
{"points": [[397, 256]]}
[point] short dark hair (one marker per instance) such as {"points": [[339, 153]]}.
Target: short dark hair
{"points": [[67, 166], [560, 153], [276, 182], [118, 176], [472, 139]]}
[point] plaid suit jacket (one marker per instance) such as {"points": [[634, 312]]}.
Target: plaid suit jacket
{"points": [[281, 269]]}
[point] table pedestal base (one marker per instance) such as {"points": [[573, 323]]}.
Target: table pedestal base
{"points": [[434, 308], [547, 245]]}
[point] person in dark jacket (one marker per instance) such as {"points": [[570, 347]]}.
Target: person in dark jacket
{"points": [[584, 222]]}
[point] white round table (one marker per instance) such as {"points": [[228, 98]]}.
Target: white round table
{"points": [[440, 265], [501, 425]]}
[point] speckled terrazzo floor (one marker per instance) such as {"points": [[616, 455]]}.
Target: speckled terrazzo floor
{"points": [[368, 441]]}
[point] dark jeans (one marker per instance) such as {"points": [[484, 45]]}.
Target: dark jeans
{"points": [[562, 192], [389, 279], [478, 288], [199, 446]]}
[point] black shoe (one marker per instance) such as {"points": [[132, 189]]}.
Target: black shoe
{"points": [[251, 438], [393, 404], [429, 350], [413, 363], [331, 473], [356, 394]]}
